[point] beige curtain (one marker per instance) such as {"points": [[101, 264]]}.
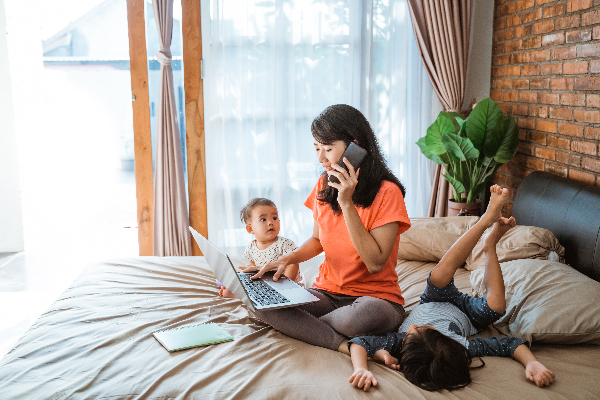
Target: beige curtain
{"points": [[171, 221], [442, 29]]}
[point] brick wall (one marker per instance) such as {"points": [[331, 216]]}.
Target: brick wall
{"points": [[546, 74]]}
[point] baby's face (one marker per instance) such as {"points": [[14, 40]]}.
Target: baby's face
{"points": [[264, 224]]}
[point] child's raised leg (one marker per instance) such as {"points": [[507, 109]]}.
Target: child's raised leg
{"points": [[456, 256]]}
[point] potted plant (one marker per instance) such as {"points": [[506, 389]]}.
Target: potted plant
{"points": [[471, 149]]}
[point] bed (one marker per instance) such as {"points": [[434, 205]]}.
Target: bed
{"points": [[95, 341]]}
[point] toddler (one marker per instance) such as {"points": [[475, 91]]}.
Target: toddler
{"points": [[261, 219], [431, 347]]}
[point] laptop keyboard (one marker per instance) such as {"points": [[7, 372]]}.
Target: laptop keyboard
{"points": [[262, 293]]}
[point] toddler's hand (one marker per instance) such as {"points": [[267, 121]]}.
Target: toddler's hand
{"points": [[536, 372], [363, 378], [384, 357]]}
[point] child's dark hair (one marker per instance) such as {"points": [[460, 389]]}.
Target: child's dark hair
{"points": [[433, 361], [346, 123], [246, 211]]}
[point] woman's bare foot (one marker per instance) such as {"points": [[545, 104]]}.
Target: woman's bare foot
{"points": [[224, 292], [500, 228], [497, 200]]}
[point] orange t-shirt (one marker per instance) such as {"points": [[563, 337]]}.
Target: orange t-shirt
{"points": [[343, 271]]}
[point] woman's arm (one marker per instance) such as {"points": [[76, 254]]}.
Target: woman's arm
{"points": [[535, 371], [374, 247], [309, 249]]}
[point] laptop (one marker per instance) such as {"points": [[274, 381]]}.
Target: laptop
{"points": [[258, 294]]}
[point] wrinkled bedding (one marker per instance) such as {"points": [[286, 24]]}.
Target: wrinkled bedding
{"points": [[96, 342]]}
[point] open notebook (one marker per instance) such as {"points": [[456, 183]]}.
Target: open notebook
{"points": [[186, 337]]}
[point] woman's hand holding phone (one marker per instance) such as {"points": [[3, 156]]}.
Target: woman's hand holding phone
{"points": [[347, 182]]}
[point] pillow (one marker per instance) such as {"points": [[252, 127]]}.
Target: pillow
{"points": [[518, 243], [547, 302], [428, 239]]}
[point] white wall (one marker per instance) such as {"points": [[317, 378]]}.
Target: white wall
{"points": [[11, 220], [479, 68]]}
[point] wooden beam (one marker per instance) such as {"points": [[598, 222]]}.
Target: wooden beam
{"points": [[142, 139], [194, 117]]}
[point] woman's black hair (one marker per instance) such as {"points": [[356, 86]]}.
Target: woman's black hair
{"points": [[346, 123], [433, 361]]}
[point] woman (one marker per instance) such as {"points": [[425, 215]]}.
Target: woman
{"points": [[358, 223]]}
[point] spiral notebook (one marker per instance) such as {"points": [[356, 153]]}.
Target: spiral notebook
{"points": [[186, 337]]}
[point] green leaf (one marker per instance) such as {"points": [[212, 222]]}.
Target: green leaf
{"points": [[456, 185], [436, 159], [482, 125], [454, 117], [510, 142], [433, 139], [459, 147]]}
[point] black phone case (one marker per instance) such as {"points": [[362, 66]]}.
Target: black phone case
{"points": [[355, 154]]}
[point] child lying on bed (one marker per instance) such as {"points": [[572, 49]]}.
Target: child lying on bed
{"points": [[431, 348]]}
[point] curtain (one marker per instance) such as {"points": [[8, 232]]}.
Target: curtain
{"points": [[171, 234], [271, 67], [442, 30]]}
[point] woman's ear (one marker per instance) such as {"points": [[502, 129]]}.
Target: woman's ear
{"points": [[249, 229]]}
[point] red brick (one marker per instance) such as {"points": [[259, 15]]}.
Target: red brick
{"points": [[534, 163], [520, 83], [523, 133], [546, 154], [532, 16], [591, 164], [502, 60], [596, 34], [589, 148], [499, 48], [581, 176], [554, 10], [525, 4], [502, 83], [594, 66], [554, 39], [590, 117], [514, 70], [496, 95], [572, 68], [526, 123], [537, 138], [546, 126], [561, 113], [537, 111], [593, 100], [558, 142], [543, 27], [526, 148], [530, 70], [587, 83], [570, 129], [572, 99], [505, 10], [568, 158], [590, 18], [564, 53], [497, 72], [523, 30], [552, 69], [559, 84], [514, 20], [556, 169], [572, 21], [499, 23], [514, 45], [528, 97], [510, 96], [592, 133], [532, 43], [504, 35], [540, 55], [520, 58], [541, 2], [579, 36], [570, 83], [519, 109], [549, 98], [539, 83], [588, 50], [577, 5]]}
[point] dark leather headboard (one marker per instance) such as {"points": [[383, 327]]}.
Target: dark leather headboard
{"points": [[567, 208]]}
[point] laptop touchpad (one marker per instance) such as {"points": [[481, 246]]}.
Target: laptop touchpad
{"points": [[281, 284]]}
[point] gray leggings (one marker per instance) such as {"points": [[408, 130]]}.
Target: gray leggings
{"points": [[335, 317]]}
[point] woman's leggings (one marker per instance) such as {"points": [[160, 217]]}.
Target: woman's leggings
{"points": [[335, 317]]}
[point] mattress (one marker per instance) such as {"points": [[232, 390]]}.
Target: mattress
{"points": [[96, 342]]}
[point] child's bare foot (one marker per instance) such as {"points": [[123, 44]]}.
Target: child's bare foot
{"points": [[224, 292], [500, 228], [497, 200]]}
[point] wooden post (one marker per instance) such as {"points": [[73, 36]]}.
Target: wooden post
{"points": [[142, 137], [194, 117]]}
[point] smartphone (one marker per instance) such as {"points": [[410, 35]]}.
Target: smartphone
{"points": [[355, 154]]}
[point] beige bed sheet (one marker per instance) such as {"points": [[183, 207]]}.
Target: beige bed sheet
{"points": [[95, 342]]}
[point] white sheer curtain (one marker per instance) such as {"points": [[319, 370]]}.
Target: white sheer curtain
{"points": [[270, 67]]}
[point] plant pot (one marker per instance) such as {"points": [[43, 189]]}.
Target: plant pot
{"points": [[454, 208]]}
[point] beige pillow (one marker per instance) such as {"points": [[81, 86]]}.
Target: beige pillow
{"points": [[547, 302], [518, 243], [428, 239]]}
